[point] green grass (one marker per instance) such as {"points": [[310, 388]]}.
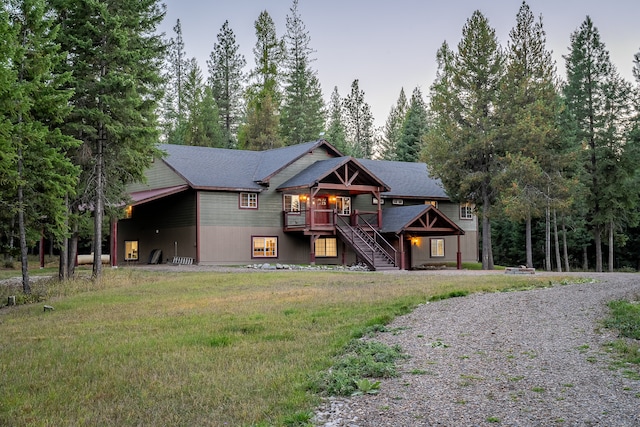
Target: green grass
{"points": [[183, 349], [624, 316]]}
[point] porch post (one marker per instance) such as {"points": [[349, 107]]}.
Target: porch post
{"points": [[401, 244], [379, 209], [114, 243], [312, 250], [459, 256]]}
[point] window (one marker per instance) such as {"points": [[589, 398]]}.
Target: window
{"points": [[343, 205], [433, 203], [264, 247], [291, 203], [374, 201], [437, 248], [326, 247], [128, 212], [466, 212], [397, 202], [131, 250], [249, 200]]}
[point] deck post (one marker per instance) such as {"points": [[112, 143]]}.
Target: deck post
{"points": [[459, 256], [312, 249], [114, 242], [401, 253]]}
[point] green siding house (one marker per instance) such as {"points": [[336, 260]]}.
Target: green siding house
{"points": [[301, 204]]}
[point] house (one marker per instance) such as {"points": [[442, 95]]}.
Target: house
{"points": [[300, 204]]}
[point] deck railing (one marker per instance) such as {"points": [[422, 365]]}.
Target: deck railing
{"points": [[320, 219]]}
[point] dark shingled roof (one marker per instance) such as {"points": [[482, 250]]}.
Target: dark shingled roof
{"points": [[399, 217], [314, 173], [406, 179], [219, 168]]}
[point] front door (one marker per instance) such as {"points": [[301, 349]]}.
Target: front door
{"points": [[322, 211]]}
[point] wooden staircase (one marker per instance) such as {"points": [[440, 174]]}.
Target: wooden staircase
{"points": [[370, 246]]}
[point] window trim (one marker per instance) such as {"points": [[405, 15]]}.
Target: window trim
{"points": [[324, 254], [265, 238], [342, 198], [431, 247], [135, 253], [292, 197], [466, 206], [249, 197]]}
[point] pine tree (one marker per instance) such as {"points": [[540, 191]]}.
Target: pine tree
{"points": [[539, 152], [336, 133], [413, 129], [600, 102], [463, 101], [358, 123], [302, 111], [43, 173], [393, 128], [115, 53], [173, 105], [262, 128], [227, 81], [200, 110]]}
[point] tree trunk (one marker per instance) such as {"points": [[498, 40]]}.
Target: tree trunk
{"points": [[597, 237], [98, 209], [63, 267], [487, 254], [547, 239], [22, 230], [528, 242], [585, 259], [556, 241], [611, 236], [73, 249], [564, 246]]}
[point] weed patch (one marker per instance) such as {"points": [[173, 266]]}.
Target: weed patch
{"points": [[360, 361], [452, 294]]}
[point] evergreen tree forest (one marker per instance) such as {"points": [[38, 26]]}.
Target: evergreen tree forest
{"points": [[89, 88]]}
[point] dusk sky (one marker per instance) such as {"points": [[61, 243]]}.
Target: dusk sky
{"points": [[392, 44]]}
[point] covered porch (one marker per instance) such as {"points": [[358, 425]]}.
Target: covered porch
{"points": [[318, 202], [406, 224]]}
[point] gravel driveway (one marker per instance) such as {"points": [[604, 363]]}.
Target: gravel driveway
{"points": [[531, 358]]}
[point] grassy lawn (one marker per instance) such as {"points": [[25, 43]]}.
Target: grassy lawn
{"points": [[186, 349]]}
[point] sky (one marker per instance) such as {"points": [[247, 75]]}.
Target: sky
{"points": [[392, 44]]}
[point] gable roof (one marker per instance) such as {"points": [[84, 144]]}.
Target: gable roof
{"points": [[407, 180], [323, 169], [419, 219], [242, 170], [227, 169]]}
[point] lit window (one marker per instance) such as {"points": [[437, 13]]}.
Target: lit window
{"points": [[466, 212], [264, 247], [326, 247], [291, 203], [249, 200], [433, 203], [128, 212], [437, 248], [343, 205], [131, 250]]}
